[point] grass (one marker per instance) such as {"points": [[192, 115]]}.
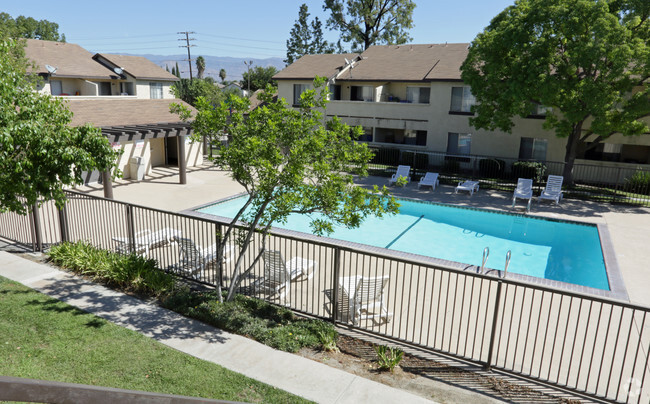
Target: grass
{"points": [[43, 338]]}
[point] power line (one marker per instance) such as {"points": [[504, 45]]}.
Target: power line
{"points": [[188, 46], [240, 39], [122, 37]]}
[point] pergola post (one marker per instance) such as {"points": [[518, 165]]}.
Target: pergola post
{"points": [[182, 163], [108, 184]]}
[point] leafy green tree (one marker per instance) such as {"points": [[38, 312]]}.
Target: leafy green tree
{"points": [[190, 91], [178, 71], [587, 60], [200, 67], [305, 39], [363, 23], [40, 152], [288, 161], [260, 77], [27, 27], [222, 75]]}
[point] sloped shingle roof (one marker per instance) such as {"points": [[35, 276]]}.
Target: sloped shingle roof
{"points": [[310, 66], [69, 59], [123, 112], [138, 67]]}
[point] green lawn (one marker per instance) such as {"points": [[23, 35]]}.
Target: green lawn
{"points": [[43, 338]]}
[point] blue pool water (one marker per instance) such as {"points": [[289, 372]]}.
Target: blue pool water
{"points": [[557, 250]]}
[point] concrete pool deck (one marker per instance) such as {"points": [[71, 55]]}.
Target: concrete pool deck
{"points": [[629, 226]]}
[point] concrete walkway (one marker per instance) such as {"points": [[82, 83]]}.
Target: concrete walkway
{"points": [[289, 372]]}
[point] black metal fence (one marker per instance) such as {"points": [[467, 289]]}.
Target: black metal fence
{"points": [[596, 346], [622, 183]]}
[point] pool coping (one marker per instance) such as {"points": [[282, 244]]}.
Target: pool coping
{"points": [[617, 286]]}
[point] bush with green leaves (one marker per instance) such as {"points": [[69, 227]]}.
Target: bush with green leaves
{"points": [[638, 183], [271, 325], [328, 340], [131, 272], [388, 358], [529, 169]]}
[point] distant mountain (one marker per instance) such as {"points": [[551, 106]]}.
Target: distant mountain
{"points": [[234, 67]]}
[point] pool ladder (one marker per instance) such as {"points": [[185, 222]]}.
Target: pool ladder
{"points": [[486, 255]]}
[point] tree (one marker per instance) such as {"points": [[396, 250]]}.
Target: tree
{"points": [[363, 23], [305, 39], [178, 71], [289, 162], [40, 153], [222, 75], [190, 91], [27, 27], [260, 77], [200, 67], [586, 60]]}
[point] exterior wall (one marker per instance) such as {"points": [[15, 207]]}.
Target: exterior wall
{"points": [[131, 149], [157, 148], [142, 89], [193, 152]]}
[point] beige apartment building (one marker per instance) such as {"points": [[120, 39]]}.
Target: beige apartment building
{"points": [[412, 97], [128, 97]]}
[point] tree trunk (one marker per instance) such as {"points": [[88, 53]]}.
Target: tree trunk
{"points": [[573, 141]]}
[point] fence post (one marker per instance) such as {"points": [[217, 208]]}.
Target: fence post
{"points": [[63, 224], [220, 259], [37, 242], [488, 364], [130, 227], [335, 281]]}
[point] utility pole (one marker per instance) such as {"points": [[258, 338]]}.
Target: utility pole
{"points": [[188, 46], [248, 65]]}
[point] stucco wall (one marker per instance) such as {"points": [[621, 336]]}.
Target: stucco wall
{"points": [[142, 89]]}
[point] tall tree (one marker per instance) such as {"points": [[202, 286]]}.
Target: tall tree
{"points": [[305, 38], [178, 71], [587, 60], [260, 77], [190, 90], [363, 23], [40, 153], [27, 27], [200, 67], [288, 161], [222, 75]]}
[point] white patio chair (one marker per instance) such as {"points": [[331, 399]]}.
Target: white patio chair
{"points": [[429, 180], [524, 190], [278, 273], [195, 260], [145, 241], [553, 189], [467, 185], [402, 171], [365, 298]]}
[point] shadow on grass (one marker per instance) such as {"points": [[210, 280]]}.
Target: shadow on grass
{"points": [[148, 319]]}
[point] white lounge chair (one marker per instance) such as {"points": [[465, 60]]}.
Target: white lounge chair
{"points": [[467, 185], [195, 260], [553, 189], [402, 171], [364, 296], [429, 180], [145, 241], [524, 190], [278, 273]]}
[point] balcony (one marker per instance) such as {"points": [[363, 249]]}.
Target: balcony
{"points": [[383, 114]]}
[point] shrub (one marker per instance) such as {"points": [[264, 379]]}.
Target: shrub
{"points": [[328, 340], [131, 272], [388, 358], [271, 325], [529, 169], [491, 167], [638, 183]]}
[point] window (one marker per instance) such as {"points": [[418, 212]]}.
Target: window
{"points": [[298, 89], [459, 143], [335, 92], [419, 95], [539, 110], [155, 90], [105, 88], [56, 87], [605, 152], [361, 93], [461, 100], [533, 149], [366, 136]]}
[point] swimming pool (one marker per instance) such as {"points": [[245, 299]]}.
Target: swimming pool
{"points": [[558, 250]]}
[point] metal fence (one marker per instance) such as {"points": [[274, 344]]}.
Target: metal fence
{"points": [[627, 184], [596, 346]]}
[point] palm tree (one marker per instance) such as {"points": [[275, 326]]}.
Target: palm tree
{"points": [[222, 75], [200, 66]]}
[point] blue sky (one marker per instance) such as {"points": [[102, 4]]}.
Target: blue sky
{"points": [[244, 28]]}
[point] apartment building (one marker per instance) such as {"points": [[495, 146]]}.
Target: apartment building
{"points": [[128, 97], [412, 97]]}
